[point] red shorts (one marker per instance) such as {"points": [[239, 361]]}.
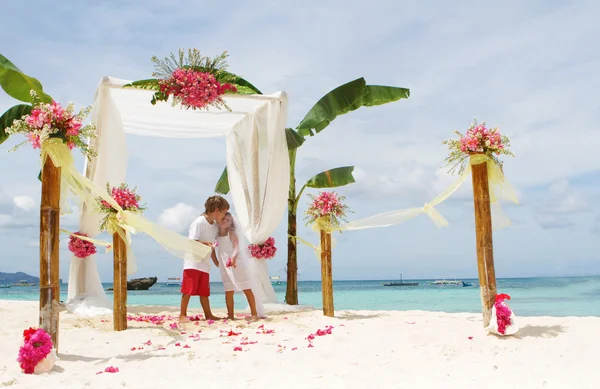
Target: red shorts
{"points": [[195, 283]]}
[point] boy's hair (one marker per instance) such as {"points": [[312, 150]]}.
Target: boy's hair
{"points": [[215, 203]]}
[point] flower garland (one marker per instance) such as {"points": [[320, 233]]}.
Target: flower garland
{"points": [[503, 313], [37, 345], [266, 250], [126, 198], [193, 80], [47, 121], [79, 247], [478, 139], [327, 207]]}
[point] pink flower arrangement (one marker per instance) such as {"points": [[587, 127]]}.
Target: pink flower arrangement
{"points": [[52, 120], [229, 263], [503, 313], [477, 139], [195, 89], [36, 347], [126, 198], [329, 206], [79, 247], [266, 250]]}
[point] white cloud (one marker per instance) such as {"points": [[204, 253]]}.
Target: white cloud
{"points": [[549, 221], [25, 203], [178, 218], [566, 200]]}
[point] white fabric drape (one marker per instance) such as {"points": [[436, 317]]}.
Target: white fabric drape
{"points": [[257, 164]]}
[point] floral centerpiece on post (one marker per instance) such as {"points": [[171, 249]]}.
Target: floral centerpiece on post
{"points": [[266, 250], [51, 120], [36, 355], [193, 80], [478, 140], [126, 198], [327, 209]]}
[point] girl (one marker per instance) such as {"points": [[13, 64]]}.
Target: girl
{"points": [[234, 270]]}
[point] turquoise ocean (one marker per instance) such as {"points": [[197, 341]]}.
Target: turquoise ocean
{"points": [[569, 296]]}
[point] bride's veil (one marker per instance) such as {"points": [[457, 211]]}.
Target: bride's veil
{"points": [[257, 272]]}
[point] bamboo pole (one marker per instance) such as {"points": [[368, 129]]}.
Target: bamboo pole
{"points": [[49, 253], [120, 283], [326, 276], [484, 241]]}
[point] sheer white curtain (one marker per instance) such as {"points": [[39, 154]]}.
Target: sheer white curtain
{"points": [[257, 164]]}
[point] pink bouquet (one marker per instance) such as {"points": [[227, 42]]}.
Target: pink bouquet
{"points": [[195, 89], [47, 121], [126, 198], [37, 345], [503, 313], [266, 250], [328, 205], [79, 247], [478, 139]]}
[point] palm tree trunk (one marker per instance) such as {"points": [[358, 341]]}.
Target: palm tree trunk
{"points": [[291, 292]]}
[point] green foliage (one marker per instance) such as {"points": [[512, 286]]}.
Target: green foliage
{"points": [[12, 114], [332, 178], [347, 98], [19, 85]]}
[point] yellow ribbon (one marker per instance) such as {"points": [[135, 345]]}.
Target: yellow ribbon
{"points": [[499, 188], [125, 222]]}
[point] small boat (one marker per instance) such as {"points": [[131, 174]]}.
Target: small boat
{"points": [[23, 283], [401, 283], [445, 282], [4, 286], [173, 281], [275, 280]]}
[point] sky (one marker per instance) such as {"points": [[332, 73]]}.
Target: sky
{"points": [[530, 68]]}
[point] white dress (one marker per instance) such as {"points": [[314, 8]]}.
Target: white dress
{"points": [[234, 279]]}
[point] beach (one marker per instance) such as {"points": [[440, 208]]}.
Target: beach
{"points": [[303, 349]]}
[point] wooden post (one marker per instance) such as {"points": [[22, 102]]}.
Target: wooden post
{"points": [[326, 276], [483, 235], [120, 283], [49, 254]]}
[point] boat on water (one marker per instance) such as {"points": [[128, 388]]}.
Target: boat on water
{"points": [[401, 283], [442, 281], [173, 281], [4, 286], [275, 280], [23, 283]]}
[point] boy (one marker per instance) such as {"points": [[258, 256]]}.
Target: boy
{"points": [[196, 277]]}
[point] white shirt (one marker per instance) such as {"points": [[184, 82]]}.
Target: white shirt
{"points": [[201, 230]]}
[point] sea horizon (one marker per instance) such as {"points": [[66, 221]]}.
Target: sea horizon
{"points": [[530, 296]]}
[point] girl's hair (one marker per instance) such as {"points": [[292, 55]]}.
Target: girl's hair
{"points": [[232, 226]]}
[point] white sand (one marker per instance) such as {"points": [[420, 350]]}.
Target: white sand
{"points": [[366, 349]]}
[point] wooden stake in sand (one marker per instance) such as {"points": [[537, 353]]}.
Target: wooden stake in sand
{"points": [[49, 254], [120, 283], [483, 235], [326, 276]]}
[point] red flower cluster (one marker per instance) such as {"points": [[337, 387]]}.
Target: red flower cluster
{"points": [[503, 312], [81, 248], [125, 197], [36, 346], [194, 89], [266, 250]]}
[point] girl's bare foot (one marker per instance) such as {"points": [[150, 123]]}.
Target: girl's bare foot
{"points": [[183, 319], [254, 318]]}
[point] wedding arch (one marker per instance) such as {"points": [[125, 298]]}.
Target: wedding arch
{"points": [[257, 164]]}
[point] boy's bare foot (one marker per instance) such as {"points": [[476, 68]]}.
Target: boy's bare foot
{"points": [[231, 317], [183, 319], [254, 318], [212, 317]]}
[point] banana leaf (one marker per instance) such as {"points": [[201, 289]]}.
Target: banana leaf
{"points": [[332, 178], [8, 117], [347, 98], [19, 85]]}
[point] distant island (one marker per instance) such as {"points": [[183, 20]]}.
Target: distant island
{"points": [[12, 278]]}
